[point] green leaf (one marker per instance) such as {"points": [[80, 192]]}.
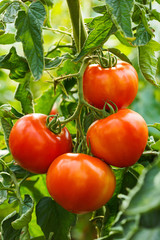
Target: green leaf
{"points": [[25, 218], [158, 1], [142, 35], [7, 111], [124, 180], [45, 102], [145, 22], [11, 12], [119, 54], [7, 126], [87, 121], [3, 5], [48, 2], [145, 197], [52, 218], [24, 95], [39, 238], [56, 62], [18, 171], [155, 15], [103, 28], [156, 146], [136, 16], [3, 196], [29, 32], [8, 233], [122, 11], [4, 2], [100, 9], [151, 219], [16, 64], [150, 110], [5, 179], [148, 61], [144, 233], [12, 199], [123, 39], [7, 38]]}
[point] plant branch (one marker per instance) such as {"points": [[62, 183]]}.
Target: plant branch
{"points": [[16, 191], [57, 30], [62, 77], [151, 153], [79, 31]]}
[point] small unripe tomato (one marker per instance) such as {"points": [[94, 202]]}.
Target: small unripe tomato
{"points": [[33, 146], [118, 84], [119, 139], [80, 183]]}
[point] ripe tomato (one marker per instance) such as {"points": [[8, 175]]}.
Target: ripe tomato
{"points": [[34, 146], [118, 84], [119, 139], [80, 183]]}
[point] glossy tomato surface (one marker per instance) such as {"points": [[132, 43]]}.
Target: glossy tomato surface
{"points": [[34, 146], [118, 84], [80, 183], [119, 139]]}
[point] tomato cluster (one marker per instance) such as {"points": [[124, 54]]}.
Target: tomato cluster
{"points": [[79, 182], [119, 139]]}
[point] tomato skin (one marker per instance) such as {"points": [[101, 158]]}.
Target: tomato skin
{"points": [[119, 139], [34, 146], [80, 183], [118, 84]]}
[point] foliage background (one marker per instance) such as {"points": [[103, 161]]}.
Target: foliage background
{"points": [[147, 102]]}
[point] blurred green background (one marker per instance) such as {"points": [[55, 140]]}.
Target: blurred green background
{"points": [[147, 102]]}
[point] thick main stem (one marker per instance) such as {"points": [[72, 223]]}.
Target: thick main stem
{"points": [[79, 31]]}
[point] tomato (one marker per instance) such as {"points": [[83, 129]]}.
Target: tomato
{"points": [[80, 183], [118, 84], [34, 146], [119, 139]]}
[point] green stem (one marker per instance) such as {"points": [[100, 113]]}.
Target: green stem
{"points": [[62, 77], [150, 5], [48, 23], [4, 7], [57, 30], [79, 31], [16, 191], [74, 116], [151, 153], [8, 189]]}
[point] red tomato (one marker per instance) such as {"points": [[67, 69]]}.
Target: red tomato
{"points": [[118, 84], [119, 139], [80, 183], [34, 146]]}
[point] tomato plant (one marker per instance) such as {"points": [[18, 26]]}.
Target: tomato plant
{"points": [[50, 55], [80, 183], [119, 139], [40, 145], [118, 84]]}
